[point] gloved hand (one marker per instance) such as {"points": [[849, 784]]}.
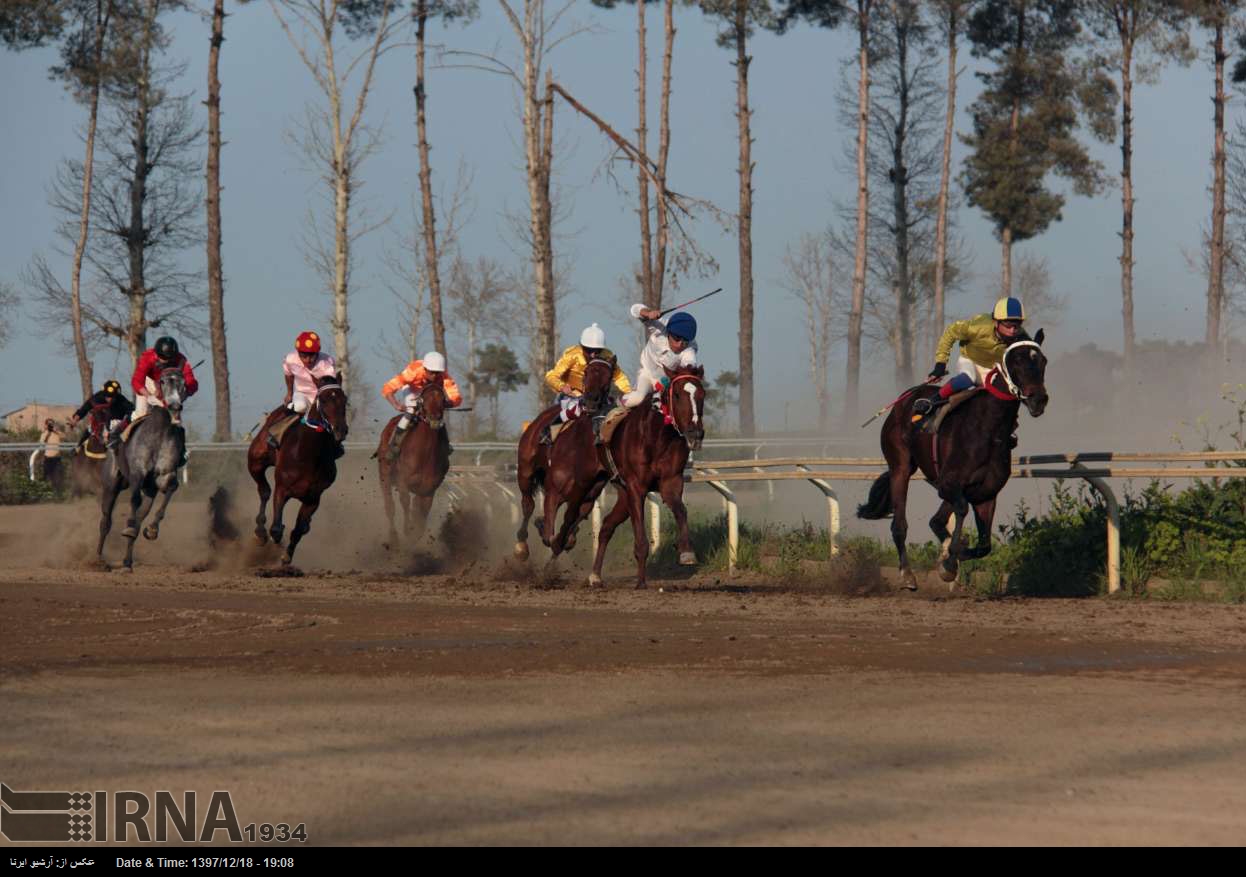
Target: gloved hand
{"points": [[939, 370]]}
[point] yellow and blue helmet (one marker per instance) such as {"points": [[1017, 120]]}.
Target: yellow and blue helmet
{"points": [[1008, 309]]}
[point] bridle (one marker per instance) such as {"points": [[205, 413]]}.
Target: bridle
{"points": [[1002, 368], [668, 415], [610, 367], [419, 413], [320, 425]]}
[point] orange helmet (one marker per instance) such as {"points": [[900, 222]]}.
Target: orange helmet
{"points": [[307, 342]]}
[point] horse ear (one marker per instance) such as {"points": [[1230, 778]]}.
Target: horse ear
{"points": [[1038, 339]]}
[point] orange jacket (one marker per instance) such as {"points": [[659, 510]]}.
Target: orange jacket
{"points": [[417, 378]]}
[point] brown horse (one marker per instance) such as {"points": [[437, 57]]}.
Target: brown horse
{"points": [[569, 470], [305, 463], [422, 464], [968, 461], [650, 448], [86, 467]]}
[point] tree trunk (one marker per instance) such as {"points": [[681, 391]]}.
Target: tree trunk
{"points": [[945, 176], [747, 422], [426, 186], [216, 292], [1127, 200], [1014, 125], [549, 317], [136, 237], [658, 274], [494, 413], [899, 183], [642, 142], [855, 316], [471, 376], [538, 202], [1215, 285], [103, 13]]}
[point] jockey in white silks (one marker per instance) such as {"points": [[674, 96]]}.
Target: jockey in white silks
{"points": [[670, 345]]}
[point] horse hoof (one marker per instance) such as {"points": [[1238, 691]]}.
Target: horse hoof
{"points": [[130, 532], [687, 558], [594, 580], [286, 559], [640, 586], [151, 533], [261, 538], [908, 581], [521, 550], [948, 570], [570, 543], [126, 569]]}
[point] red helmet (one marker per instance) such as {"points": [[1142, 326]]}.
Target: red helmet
{"points": [[307, 342]]}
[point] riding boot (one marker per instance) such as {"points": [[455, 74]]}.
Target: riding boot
{"points": [[395, 443], [547, 435]]}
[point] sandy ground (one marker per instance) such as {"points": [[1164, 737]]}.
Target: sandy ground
{"points": [[487, 707]]}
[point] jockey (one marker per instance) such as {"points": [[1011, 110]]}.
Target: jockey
{"points": [[418, 374], [566, 378], [302, 366], [671, 345], [983, 340], [146, 379], [109, 409]]}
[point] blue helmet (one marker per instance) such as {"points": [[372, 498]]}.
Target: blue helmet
{"points": [[682, 325]]}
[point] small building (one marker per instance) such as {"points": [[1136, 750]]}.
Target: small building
{"points": [[33, 414]]}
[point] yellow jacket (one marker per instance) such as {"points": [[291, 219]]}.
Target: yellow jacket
{"points": [[570, 367], [977, 341]]}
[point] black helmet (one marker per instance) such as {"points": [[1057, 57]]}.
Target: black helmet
{"points": [[112, 387], [166, 347]]}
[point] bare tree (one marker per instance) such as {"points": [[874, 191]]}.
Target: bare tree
{"points": [[1032, 282], [1127, 28], [216, 282], [8, 305], [143, 206], [334, 137], [479, 292], [809, 274]]}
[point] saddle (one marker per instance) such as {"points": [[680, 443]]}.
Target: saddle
{"points": [[125, 433]]}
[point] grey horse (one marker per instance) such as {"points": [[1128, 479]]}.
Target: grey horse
{"points": [[146, 464]]}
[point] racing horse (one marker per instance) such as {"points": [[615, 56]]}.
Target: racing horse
{"points": [[968, 461], [304, 463], [86, 466], [422, 464], [650, 448], [568, 470], [146, 464]]}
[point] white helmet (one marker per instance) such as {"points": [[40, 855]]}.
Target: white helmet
{"points": [[593, 337], [434, 361]]}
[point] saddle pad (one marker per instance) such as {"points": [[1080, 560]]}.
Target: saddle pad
{"points": [[125, 435]]}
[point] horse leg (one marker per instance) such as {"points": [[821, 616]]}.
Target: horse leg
{"points": [[984, 515], [640, 548], [404, 500], [938, 524], [528, 504], [899, 485], [108, 499], [585, 509], [387, 488], [419, 520], [280, 498], [951, 547], [140, 504], [167, 485], [672, 493], [550, 516], [307, 508], [612, 520], [258, 474]]}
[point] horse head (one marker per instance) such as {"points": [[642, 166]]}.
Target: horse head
{"points": [[686, 403], [1024, 367], [330, 406], [433, 405], [173, 392], [597, 376]]}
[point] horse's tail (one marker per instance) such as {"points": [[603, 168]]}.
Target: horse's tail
{"points": [[878, 506]]}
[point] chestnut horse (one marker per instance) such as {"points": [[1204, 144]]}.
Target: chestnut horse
{"points": [[305, 463], [968, 461], [422, 464], [569, 470], [650, 448]]}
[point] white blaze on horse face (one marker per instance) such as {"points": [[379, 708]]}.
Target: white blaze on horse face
{"points": [[691, 390]]}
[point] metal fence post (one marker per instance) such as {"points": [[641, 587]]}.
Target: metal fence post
{"points": [[832, 510], [1114, 528]]}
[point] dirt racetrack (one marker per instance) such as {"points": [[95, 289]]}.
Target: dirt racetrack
{"points": [[380, 707]]}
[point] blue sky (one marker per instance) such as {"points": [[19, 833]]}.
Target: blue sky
{"points": [[799, 177]]}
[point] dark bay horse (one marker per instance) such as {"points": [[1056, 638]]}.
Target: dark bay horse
{"points": [[650, 447], [569, 470], [146, 463], [422, 464], [86, 465], [968, 462], [305, 463]]}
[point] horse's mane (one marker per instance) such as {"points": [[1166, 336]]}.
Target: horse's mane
{"points": [[696, 371]]}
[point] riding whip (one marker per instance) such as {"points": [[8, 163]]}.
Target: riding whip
{"points": [[694, 301]]}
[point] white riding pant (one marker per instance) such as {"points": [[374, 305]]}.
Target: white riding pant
{"points": [[143, 402], [645, 382], [975, 372], [299, 403], [409, 401]]}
